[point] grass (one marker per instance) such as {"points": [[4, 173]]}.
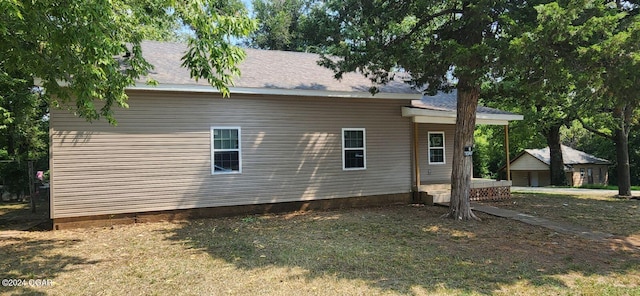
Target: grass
{"points": [[15, 215], [607, 214], [597, 186], [609, 187], [395, 250]]}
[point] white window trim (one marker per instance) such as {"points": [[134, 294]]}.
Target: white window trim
{"points": [[444, 150], [213, 150], [364, 149]]}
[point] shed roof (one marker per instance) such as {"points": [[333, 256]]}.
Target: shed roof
{"points": [[570, 156], [269, 69]]}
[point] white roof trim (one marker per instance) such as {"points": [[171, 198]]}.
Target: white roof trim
{"points": [[273, 91], [449, 117]]}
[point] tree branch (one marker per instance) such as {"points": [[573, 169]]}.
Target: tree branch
{"points": [[628, 113], [423, 21], [595, 131]]}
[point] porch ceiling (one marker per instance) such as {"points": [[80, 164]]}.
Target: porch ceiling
{"points": [[421, 115]]}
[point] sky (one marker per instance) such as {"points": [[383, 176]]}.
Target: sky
{"points": [[247, 3]]}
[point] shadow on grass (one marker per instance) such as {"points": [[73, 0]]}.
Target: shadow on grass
{"points": [[33, 259], [404, 248], [19, 216]]}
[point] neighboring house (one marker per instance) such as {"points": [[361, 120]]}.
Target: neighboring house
{"points": [[531, 168], [289, 135]]}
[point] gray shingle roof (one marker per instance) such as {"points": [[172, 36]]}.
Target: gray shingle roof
{"points": [[570, 156], [448, 102], [265, 69]]}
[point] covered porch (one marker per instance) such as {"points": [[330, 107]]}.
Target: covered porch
{"points": [[433, 122]]}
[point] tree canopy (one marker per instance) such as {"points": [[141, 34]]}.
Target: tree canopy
{"points": [[443, 45], [536, 82], [84, 52], [292, 25], [553, 61], [578, 60]]}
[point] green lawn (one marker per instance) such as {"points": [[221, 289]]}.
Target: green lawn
{"points": [[610, 187], [398, 250], [616, 216]]}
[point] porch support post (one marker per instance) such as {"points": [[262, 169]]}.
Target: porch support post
{"points": [[506, 148], [416, 155]]}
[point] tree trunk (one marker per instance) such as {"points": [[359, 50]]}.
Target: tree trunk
{"points": [[556, 165], [623, 114], [460, 207], [621, 139]]}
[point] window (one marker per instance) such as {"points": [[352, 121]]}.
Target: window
{"points": [[354, 149], [225, 150], [436, 148]]}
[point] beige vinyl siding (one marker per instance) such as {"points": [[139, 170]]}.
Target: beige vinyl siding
{"points": [[526, 162], [430, 173], [159, 155]]}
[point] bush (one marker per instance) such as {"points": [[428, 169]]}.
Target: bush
{"points": [[15, 178]]}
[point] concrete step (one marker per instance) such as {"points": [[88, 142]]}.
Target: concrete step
{"points": [[435, 187], [440, 196]]}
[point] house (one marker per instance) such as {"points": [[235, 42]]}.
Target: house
{"points": [[531, 168], [289, 137]]}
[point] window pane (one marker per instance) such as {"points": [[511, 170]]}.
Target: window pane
{"points": [[436, 140], [226, 161], [233, 134], [354, 159], [358, 143], [436, 155], [225, 139], [353, 139], [226, 144], [225, 134]]}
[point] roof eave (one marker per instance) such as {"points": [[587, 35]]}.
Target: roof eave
{"points": [[274, 91], [420, 115]]}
